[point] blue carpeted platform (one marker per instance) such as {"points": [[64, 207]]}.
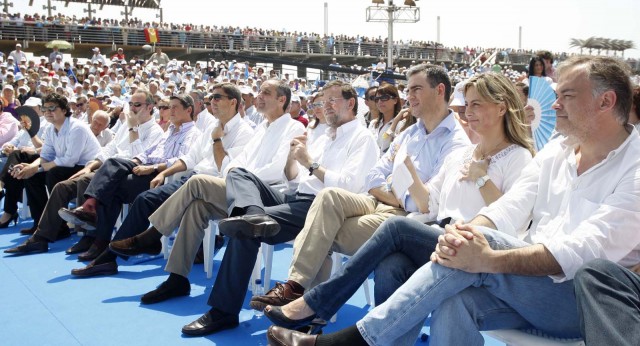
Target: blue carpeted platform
{"points": [[41, 304]]}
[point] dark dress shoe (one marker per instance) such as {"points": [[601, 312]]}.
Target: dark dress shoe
{"points": [[279, 319], [132, 247], [279, 336], [94, 251], [208, 324], [29, 231], [109, 268], [280, 295], [81, 246], [249, 226], [29, 246], [13, 218], [79, 217], [165, 291]]}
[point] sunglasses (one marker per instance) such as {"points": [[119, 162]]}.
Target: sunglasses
{"points": [[207, 103], [371, 98], [49, 109], [79, 104], [218, 97], [383, 98], [136, 104], [162, 108]]}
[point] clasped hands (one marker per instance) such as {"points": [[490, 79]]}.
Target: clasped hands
{"points": [[298, 151], [463, 247]]}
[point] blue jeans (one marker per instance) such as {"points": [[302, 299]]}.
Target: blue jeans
{"points": [[398, 241], [464, 303]]}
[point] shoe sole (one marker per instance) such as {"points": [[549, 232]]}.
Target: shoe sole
{"points": [[131, 254], [256, 305], [70, 218], [20, 253], [245, 229], [199, 333]]}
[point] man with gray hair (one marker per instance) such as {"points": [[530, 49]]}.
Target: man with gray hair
{"points": [[99, 126]]}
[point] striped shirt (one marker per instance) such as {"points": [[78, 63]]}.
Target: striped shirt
{"points": [[172, 145]]}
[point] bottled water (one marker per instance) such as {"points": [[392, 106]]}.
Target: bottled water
{"points": [[258, 290]]}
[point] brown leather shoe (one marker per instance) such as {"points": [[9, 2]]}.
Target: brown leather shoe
{"points": [[92, 269], [132, 247], [81, 246], [29, 231], [285, 337], [79, 217], [94, 251], [280, 295]]}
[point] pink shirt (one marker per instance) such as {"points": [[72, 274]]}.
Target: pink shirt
{"points": [[8, 127]]}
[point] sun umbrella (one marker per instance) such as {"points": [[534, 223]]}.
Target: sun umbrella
{"points": [[542, 97], [60, 44]]}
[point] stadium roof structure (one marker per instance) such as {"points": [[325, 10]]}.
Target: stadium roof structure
{"points": [[153, 4]]}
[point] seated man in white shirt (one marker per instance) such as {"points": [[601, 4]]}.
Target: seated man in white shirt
{"points": [[99, 126], [583, 194]]}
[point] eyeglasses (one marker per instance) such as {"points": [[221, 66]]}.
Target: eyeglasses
{"points": [[318, 104], [332, 101], [207, 103], [371, 98], [383, 98], [218, 97], [163, 108], [49, 109], [79, 104], [136, 104]]}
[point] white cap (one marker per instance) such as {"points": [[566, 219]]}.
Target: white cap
{"points": [[247, 91], [115, 102], [458, 95], [33, 101]]}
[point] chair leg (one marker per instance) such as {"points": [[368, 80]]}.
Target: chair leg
{"points": [[209, 244]]}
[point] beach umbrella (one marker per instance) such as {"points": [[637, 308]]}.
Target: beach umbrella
{"points": [[60, 44]]}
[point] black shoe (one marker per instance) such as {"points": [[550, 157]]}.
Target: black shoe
{"points": [[29, 231], [92, 269], [94, 251], [166, 291], [284, 336], [81, 246], [249, 226], [278, 318], [13, 218], [208, 324], [79, 217], [131, 247], [29, 246]]}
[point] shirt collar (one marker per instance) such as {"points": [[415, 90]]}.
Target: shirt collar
{"points": [[283, 119], [448, 124], [233, 123], [344, 129]]}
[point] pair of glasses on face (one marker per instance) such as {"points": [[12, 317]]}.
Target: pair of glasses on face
{"points": [[78, 105], [163, 108], [383, 98], [49, 109], [218, 97], [136, 104], [318, 104], [371, 98]]}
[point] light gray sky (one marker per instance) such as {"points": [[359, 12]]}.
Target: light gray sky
{"points": [[546, 24]]}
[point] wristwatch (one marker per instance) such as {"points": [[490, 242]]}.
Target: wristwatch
{"points": [[313, 167], [482, 180], [155, 168], [216, 140], [133, 129]]}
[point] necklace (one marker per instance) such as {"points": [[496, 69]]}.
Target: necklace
{"points": [[494, 150]]}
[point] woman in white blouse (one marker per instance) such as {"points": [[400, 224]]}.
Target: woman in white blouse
{"points": [[469, 179], [317, 125]]}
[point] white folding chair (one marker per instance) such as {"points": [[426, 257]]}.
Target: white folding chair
{"points": [[514, 337], [24, 209]]}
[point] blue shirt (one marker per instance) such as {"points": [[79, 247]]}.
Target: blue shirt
{"points": [[74, 144], [172, 145], [426, 150]]}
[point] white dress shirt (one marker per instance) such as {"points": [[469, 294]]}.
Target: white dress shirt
{"points": [[74, 144], [577, 218], [120, 147], [237, 134], [105, 137], [266, 154], [461, 200], [204, 120], [346, 160]]}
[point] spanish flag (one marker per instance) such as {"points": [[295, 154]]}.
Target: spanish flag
{"points": [[151, 35]]}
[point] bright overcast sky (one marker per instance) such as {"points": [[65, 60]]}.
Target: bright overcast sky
{"points": [[546, 24]]}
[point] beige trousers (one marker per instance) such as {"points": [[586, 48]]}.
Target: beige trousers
{"points": [[338, 220], [201, 199]]}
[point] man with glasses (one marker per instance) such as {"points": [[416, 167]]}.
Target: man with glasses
{"points": [[126, 144], [220, 143], [370, 101], [69, 145], [342, 221], [120, 180], [203, 197], [204, 119], [80, 109]]}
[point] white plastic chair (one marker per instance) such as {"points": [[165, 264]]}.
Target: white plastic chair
{"points": [[24, 209], [514, 337]]}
